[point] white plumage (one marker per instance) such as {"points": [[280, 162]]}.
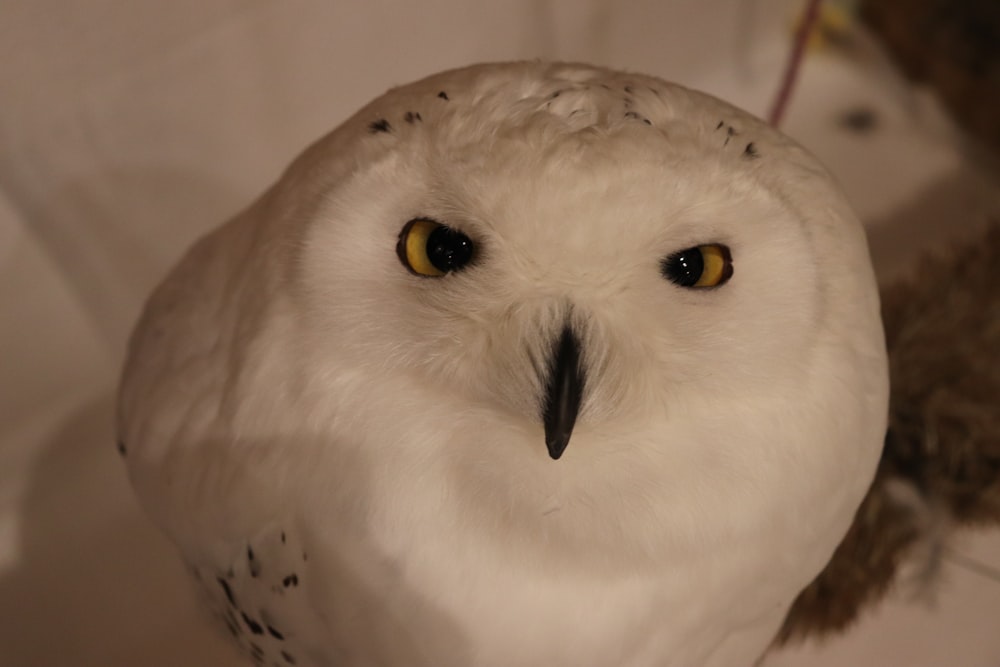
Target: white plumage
{"points": [[352, 457]]}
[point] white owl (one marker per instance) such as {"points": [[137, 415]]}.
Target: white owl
{"points": [[345, 406]]}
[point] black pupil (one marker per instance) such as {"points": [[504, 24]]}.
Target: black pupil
{"points": [[684, 268], [448, 250]]}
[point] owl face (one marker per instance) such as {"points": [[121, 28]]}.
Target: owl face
{"points": [[570, 278]]}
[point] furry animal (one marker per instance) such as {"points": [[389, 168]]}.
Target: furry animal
{"points": [[524, 364]]}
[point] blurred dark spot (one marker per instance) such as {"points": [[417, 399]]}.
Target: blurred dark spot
{"points": [[861, 120]]}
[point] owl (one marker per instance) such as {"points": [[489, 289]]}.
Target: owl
{"points": [[523, 364]]}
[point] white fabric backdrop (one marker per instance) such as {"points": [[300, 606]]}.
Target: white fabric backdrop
{"points": [[129, 127]]}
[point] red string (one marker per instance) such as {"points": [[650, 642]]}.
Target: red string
{"points": [[794, 61]]}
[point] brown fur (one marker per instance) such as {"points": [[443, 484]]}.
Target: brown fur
{"points": [[943, 336], [951, 45]]}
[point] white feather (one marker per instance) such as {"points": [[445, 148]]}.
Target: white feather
{"points": [[292, 388]]}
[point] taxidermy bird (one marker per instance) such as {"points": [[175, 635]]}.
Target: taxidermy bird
{"points": [[524, 364]]}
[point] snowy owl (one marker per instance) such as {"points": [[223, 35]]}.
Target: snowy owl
{"points": [[524, 364]]}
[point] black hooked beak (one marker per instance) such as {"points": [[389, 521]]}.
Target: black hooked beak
{"points": [[563, 392]]}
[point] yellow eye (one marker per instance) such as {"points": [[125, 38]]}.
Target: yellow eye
{"points": [[708, 265], [428, 248]]}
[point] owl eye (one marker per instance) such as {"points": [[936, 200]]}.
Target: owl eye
{"points": [[428, 248], [708, 265]]}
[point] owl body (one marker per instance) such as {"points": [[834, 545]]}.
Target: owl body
{"points": [[351, 455]]}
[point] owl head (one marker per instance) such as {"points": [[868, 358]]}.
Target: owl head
{"points": [[572, 249]]}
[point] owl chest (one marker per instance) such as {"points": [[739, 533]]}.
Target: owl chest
{"points": [[488, 612]]}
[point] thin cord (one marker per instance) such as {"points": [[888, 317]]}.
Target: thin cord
{"points": [[972, 564], [794, 61]]}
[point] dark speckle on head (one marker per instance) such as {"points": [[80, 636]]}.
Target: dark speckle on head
{"points": [[257, 651], [227, 590], [411, 117], [252, 562], [628, 89], [635, 116], [380, 125], [443, 95], [121, 447], [274, 633], [719, 126], [750, 151], [730, 133], [252, 625], [288, 657], [555, 95], [290, 580], [282, 537]]}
